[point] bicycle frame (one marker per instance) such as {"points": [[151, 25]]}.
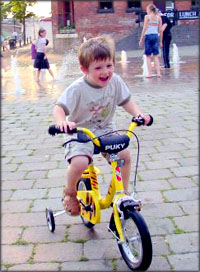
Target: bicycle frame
{"points": [[115, 190]]}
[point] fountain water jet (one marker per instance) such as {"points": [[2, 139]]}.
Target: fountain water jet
{"points": [[17, 80], [144, 66], [175, 56]]}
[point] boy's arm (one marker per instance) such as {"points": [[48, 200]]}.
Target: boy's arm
{"points": [[133, 109], [60, 119]]}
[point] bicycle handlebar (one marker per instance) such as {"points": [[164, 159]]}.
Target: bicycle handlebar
{"points": [[136, 121]]}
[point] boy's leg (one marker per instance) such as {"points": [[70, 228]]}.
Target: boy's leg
{"points": [[74, 171], [126, 169]]}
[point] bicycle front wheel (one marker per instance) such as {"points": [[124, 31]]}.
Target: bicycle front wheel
{"points": [[137, 248]]}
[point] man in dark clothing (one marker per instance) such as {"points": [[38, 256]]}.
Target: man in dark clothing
{"points": [[166, 38]]}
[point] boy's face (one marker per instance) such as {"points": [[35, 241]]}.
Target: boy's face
{"points": [[99, 72]]}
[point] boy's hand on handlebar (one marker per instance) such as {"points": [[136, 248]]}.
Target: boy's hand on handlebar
{"points": [[148, 119], [64, 124]]}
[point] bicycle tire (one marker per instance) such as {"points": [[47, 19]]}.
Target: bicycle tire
{"points": [[83, 185], [50, 220], [127, 250]]}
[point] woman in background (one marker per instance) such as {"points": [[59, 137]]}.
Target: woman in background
{"points": [[150, 37]]}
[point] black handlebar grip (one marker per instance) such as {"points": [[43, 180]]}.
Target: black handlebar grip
{"points": [[71, 131], [151, 120], [53, 130]]}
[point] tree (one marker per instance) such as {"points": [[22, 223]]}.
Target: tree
{"points": [[5, 9], [20, 12]]}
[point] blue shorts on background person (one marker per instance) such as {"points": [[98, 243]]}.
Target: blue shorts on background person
{"points": [[151, 44]]}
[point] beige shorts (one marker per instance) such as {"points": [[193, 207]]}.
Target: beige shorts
{"points": [[79, 149]]}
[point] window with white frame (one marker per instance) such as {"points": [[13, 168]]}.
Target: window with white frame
{"points": [[169, 5]]}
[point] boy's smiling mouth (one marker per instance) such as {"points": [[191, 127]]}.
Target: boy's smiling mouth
{"points": [[104, 78]]}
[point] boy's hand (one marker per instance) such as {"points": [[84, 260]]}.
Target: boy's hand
{"points": [[147, 119], [64, 124]]}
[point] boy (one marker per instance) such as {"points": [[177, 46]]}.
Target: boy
{"points": [[90, 102]]}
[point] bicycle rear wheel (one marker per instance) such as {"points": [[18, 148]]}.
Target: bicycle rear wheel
{"points": [[85, 185], [137, 248]]}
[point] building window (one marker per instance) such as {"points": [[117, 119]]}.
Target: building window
{"points": [[169, 5], [105, 6], [133, 5], [195, 4]]}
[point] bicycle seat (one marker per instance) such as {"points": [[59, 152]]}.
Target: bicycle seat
{"points": [[114, 143]]}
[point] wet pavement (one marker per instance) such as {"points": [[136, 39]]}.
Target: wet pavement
{"points": [[33, 170]]}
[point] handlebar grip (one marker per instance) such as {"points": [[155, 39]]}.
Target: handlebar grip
{"points": [[53, 130], [151, 120]]}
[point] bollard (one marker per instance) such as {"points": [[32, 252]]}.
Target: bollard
{"points": [[20, 43]]}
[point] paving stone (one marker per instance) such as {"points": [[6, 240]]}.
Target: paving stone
{"points": [[35, 267], [23, 159], [153, 185], [49, 183], [6, 195], [185, 171], [24, 219], [56, 173], [185, 262], [101, 249], [99, 231], [183, 243], [56, 192], [189, 223], [15, 206], [54, 204], [16, 184], [160, 165], [60, 252], [161, 210], [15, 254], [43, 235], [90, 265], [182, 194], [29, 194], [159, 226], [151, 197], [158, 174], [182, 182], [10, 235], [37, 166], [36, 174], [190, 207], [166, 155], [13, 176]]}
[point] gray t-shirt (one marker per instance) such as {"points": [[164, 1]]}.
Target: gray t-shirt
{"points": [[92, 107]]}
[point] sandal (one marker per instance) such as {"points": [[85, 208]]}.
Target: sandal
{"points": [[70, 202]]}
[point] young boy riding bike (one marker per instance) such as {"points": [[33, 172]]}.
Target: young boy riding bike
{"points": [[90, 102]]}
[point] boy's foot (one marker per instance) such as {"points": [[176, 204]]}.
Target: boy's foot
{"points": [[70, 202]]}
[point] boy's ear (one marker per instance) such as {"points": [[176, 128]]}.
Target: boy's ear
{"points": [[84, 70]]}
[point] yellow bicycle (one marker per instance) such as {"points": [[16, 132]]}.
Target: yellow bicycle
{"points": [[126, 223]]}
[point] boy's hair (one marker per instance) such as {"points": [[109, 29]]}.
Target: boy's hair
{"points": [[94, 49]]}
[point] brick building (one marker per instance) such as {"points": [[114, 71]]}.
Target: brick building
{"points": [[74, 20]]}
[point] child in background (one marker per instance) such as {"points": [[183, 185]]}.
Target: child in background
{"points": [[90, 102], [33, 51]]}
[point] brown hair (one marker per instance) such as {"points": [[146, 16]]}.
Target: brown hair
{"points": [[98, 48], [152, 7], [41, 30]]}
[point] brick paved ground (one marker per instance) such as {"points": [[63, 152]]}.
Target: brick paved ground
{"points": [[33, 175]]}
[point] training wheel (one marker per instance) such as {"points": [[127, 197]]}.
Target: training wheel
{"points": [[50, 220]]}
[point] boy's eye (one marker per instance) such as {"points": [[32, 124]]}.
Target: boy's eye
{"points": [[97, 68], [109, 65]]}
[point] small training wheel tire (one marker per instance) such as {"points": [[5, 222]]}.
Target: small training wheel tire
{"points": [[50, 220]]}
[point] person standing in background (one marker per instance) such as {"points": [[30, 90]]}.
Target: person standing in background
{"points": [[166, 37], [150, 37]]}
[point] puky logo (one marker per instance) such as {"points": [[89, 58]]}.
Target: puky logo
{"points": [[114, 147]]}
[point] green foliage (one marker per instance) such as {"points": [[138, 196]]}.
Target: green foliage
{"points": [[19, 9], [5, 9]]}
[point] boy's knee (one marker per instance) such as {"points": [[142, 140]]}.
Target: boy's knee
{"points": [[126, 156], [80, 163]]}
